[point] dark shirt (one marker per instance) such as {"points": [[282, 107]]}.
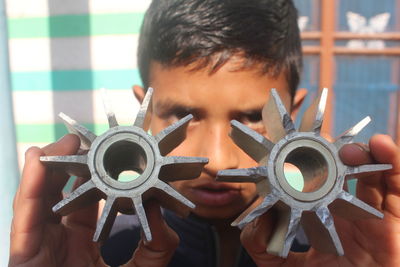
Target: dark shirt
{"points": [[198, 245]]}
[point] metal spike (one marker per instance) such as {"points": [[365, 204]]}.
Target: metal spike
{"points": [[173, 193], [262, 208], [251, 142], [112, 120], [106, 220], [141, 213], [320, 230], [86, 136], [176, 168], [74, 165], [314, 115], [141, 116], [351, 208], [65, 160], [367, 168], [173, 135], [285, 231], [276, 120], [348, 136], [249, 175], [80, 197]]}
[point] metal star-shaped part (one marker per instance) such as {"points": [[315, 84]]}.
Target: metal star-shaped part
{"points": [[127, 148], [322, 170]]}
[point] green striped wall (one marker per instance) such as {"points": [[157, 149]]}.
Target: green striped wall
{"points": [[75, 25], [32, 23], [47, 133], [72, 80]]}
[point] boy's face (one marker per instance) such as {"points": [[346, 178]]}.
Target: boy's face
{"points": [[214, 100]]}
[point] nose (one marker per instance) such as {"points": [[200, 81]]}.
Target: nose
{"points": [[219, 148]]}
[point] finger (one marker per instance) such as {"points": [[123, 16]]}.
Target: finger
{"points": [[28, 214], [384, 150], [255, 237], [30, 209], [355, 154], [370, 187], [56, 178], [85, 216], [159, 251], [67, 145]]}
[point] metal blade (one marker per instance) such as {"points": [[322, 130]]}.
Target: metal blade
{"points": [[276, 120], [368, 168], [351, 208], [321, 232], [141, 116], [314, 115], [112, 120], [173, 193], [74, 165], [262, 208], [141, 213], [251, 142], [285, 231], [176, 168], [348, 136], [169, 202], [106, 220], [173, 135], [249, 175], [86, 136], [82, 196]]}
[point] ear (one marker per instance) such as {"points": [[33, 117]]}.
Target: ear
{"points": [[139, 93], [299, 97]]}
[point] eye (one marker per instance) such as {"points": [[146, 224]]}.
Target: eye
{"points": [[180, 113], [253, 120]]}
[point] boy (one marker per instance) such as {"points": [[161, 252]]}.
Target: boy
{"points": [[216, 60]]}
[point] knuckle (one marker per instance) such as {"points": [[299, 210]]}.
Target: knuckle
{"points": [[33, 152]]}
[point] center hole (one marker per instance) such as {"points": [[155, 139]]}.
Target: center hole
{"points": [[125, 161], [305, 169]]}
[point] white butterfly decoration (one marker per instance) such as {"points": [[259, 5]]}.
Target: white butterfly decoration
{"points": [[358, 24], [302, 21]]}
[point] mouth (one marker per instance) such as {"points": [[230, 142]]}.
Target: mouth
{"points": [[214, 194]]}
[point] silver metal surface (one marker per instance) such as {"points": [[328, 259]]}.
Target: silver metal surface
{"points": [[322, 171], [127, 148]]}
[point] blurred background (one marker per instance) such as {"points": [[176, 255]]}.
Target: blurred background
{"points": [[55, 55]]}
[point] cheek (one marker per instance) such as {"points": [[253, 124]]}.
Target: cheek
{"points": [[249, 189], [179, 185]]}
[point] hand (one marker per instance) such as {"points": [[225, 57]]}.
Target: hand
{"points": [[41, 238], [370, 242]]}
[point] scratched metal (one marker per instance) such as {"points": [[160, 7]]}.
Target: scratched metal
{"points": [[319, 163], [127, 148]]}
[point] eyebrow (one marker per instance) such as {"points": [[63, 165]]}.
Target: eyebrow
{"points": [[166, 107]]}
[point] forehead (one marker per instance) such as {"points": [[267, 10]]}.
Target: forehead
{"points": [[229, 85]]}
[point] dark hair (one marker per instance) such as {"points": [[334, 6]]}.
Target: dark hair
{"points": [[209, 32]]}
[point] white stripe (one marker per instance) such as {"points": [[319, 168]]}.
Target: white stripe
{"points": [[41, 8], [123, 102], [83, 106], [33, 107], [114, 52], [118, 6], [97, 52]]}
